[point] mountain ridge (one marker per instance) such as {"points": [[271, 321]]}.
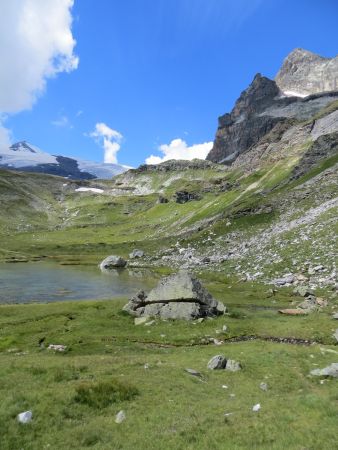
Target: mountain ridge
{"points": [[24, 156]]}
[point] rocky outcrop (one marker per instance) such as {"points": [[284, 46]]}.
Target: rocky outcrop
{"points": [[324, 147], [244, 126], [179, 296], [264, 112], [304, 73], [185, 196]]}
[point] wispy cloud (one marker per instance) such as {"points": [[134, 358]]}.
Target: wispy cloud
{"points": [[109, 139], [62, 122], [179, 149]]}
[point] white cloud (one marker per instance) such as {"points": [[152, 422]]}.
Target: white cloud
{"points": [[179, 149], [5, 138], [110, 140], [62, 122], [36, 43]]}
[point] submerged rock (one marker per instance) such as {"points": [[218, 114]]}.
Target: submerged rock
{"points": [[112, 262], [178, 296]]}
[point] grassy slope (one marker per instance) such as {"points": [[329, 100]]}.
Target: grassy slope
{"points": [[172, 410]]}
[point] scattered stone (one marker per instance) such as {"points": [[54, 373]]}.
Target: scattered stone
{"points": [[329, 371], [217, 362], [287, 279], [112, 262], [220, 362], [120, 417], [303, 291], [294, 312], [233, 366], [263, 386], [136, 254], [194, 373], [179, 296], [57, 347], [185, 196], [25, 417], [321, 302], [256, 407], [140, 320], [224, 328], [335, 315]]}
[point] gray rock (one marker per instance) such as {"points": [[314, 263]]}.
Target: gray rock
{"points": [[263, 386], [194, 373], [136, 254], [233, 366], [177, 310], [179, 296], [309, 303], [120, 417], [25, 417], [329, 371], [112, 262], [303, 291], [305, 73], [217, 362], [335, 315], [288, 279], [140, 320]]}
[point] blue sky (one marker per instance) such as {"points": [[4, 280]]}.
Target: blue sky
{"points": [[159, 70]]}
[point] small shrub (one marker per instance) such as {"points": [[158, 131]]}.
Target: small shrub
{"points": [[104, 393]]}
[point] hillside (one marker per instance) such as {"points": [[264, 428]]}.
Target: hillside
{"points": [[256, 217]]}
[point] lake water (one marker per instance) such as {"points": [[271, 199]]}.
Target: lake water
{"points": [[50, 282]]}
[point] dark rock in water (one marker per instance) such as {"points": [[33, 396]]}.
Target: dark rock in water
{"points": [[329, 371], [179, 296], [112, 262], [185, 196], [136, 254]]}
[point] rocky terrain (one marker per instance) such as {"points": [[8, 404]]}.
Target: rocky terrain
{"points": [[304, 73]]}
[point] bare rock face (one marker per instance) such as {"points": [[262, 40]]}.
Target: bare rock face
{"points": [[179, 296], [304, 73], [268, 109]]}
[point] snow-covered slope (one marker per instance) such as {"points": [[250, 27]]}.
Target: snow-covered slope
{"points": [[27, 157]]}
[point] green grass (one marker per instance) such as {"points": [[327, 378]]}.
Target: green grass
{"points": [[111, 364]]}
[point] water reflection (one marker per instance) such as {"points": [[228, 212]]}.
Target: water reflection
{"points": [[48, 282]]}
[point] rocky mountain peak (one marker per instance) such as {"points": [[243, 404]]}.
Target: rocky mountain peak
{"points": [[304, 73]]}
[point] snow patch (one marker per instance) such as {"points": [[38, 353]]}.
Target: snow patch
{"points": [[84, 189]]}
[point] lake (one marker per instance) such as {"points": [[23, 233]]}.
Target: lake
{"points": [[50, 282]]}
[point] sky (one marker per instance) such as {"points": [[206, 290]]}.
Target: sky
{"points": [[134, 81]]}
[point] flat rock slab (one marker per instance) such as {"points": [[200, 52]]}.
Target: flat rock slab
{"points": [[329, 371], [294, 312]]}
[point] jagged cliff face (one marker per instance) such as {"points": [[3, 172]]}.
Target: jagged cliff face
{"points": [[304, 73], [264, 108]]}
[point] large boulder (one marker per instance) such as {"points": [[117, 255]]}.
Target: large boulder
{"points": [[112, 262], [179, 296]]}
